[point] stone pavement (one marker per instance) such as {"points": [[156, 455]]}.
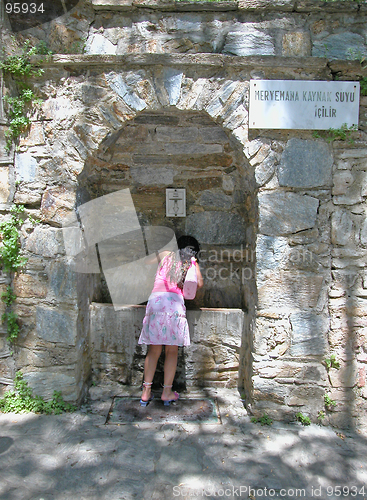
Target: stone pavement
{"points": [[78, 457]]}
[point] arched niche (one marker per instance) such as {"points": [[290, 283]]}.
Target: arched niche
{"points": [[164, 149]]}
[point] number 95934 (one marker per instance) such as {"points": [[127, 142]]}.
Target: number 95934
{"points": [[24, 8]]}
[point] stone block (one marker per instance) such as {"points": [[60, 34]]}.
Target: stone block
{"points": [[346, 377], [152, 176], [28, 198], [305, 164], [361, 377], [5, 191], [213, 134], [287, 291], [192, 149], [270, 337], [63, 281], [321, 6], [269, 390], [57, 326], [199, 183], [215, 199], [116, 331], [272, 253], [5, 156], [284, 213], [216, 228], [353, 188], [341, 227], [98, 44], [25, 167], [266, 169], [177, 134], [338, 46], [90, 94], [46, 357], [228, 183], [157, 119], [172, 79], [26, 285], [279, 5], [45, 241], [251, 42], [60, 108], [310, 396], [261, 154], [342, 179], [308, 334], [296, 44], [57, 205], [45, 382], [112, 4], [213, 356], [34, 137], [126, 92]]}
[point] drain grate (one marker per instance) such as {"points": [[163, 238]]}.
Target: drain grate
{"points": [[186, 410]]}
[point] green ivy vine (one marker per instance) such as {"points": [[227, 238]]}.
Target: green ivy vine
{"points": [[11, 261], [20, 67], [363, 83]]}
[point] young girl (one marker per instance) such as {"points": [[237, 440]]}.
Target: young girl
{"points": [[165, 320]]}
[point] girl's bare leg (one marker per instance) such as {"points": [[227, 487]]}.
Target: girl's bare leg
{"points": [[150, 366], [170, 365]]}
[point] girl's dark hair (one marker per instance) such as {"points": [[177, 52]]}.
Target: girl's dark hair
{"points": [[190, 242]]}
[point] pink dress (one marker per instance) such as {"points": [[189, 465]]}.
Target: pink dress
{"points": [[165, 320]]}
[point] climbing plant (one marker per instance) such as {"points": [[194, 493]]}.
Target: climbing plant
{"points": [[21, 68], [363, 83], [11, 261]]}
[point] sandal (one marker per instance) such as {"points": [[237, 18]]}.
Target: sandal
{"points": [[145, 403], [167, 402]]}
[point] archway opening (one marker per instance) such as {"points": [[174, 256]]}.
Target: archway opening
{"points": [[175, 149]]}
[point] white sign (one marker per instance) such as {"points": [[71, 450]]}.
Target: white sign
{"points": [[175, 202], [299, 104]]}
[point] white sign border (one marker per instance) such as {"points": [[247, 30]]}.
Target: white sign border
{"points": [[284, 107]]}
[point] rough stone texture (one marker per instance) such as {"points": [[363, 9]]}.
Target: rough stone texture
{"points": [[308, 334], [45, 382], [283, 213], [211, 359], [216, 228], [57, 203], [305, 164], [56, 326], [45, 241], [340, 46], [281, 289], [341, 227], [25, 167], [253, 42], [297, 44], [5, 186], [171, 110]]}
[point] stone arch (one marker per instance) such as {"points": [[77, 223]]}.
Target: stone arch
{"points": [[168, 92]]}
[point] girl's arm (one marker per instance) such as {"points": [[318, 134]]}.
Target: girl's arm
{"points": [[199, 276]]}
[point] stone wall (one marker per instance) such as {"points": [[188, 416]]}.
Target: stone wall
{"points": [[212, 359], [296, 28], [282, 212]]}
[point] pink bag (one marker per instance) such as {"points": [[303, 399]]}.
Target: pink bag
{"points": [[191, 282]]}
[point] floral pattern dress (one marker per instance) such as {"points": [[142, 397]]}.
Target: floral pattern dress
{"points": [[165, 320]]}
